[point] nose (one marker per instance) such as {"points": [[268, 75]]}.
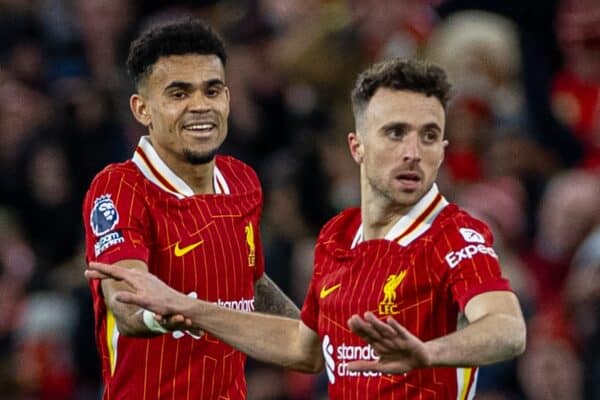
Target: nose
{"points": [[199, 102], [411, 150]]}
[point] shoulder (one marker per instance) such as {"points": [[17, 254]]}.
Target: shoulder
{"points": [[342, 226], [119, 180], [117, 173], [458, 223], [237, 173], [460, 236]]}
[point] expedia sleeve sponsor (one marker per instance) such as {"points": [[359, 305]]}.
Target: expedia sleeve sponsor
{"points": [[477, 246], [454, 258], [107, 241]]}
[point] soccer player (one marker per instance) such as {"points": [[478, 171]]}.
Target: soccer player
{"points": [[407, 296], [183, 213]]}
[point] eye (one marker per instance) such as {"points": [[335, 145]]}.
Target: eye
{"points": [[395, 133], [178, 94], [214, 91], [430, 136]]}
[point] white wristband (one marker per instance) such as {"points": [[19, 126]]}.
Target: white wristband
{"points": [[151, 323]]}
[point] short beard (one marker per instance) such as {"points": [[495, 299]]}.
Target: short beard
{"points": [[378, 188], [199, 158]]}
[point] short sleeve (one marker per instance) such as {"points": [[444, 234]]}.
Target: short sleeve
{"points": [[115, 218], [310, 309], [469, 262]]}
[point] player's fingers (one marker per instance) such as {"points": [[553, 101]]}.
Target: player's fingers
{"points": [[176, 319], [381, 327], [384, 347], [363, 329], [359, 366], [132, 298], [114, 271], [91, 274], [399, 329]]}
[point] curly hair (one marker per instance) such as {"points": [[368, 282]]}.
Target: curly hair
{"points": [[188, 36], [400, 74]]}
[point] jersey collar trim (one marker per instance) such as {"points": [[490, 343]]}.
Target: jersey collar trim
{"points": [[157, 172], [412, 225]]}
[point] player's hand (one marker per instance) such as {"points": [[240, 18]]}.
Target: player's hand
{"points": [[179, 322], [398, 349], [147, 291]]}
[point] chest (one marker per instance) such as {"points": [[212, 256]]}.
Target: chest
{"points": [[210, 248], [382, 278]]}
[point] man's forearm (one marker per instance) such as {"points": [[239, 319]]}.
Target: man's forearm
{"points": [[270, 299], [492, 338], [268, 338], [128, 317]]}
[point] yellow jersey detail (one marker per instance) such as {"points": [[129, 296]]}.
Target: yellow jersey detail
{"points": [[387, 306], [182, 251], [327, 291], [111, 326], [249, 229]]}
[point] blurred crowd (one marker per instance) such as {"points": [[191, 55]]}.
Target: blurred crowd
{"points": [[524, 156]]}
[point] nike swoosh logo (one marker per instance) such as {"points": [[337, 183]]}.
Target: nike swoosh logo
{"points": [[326, 292], [182, 251]]}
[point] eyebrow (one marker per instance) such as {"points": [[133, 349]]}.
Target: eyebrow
{"points": [[391, 125], [406, 126], [188, 86], [179, 85], [432, 125]]}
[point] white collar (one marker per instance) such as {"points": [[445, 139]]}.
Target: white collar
{"points": [[416, 222], [157, 172]]}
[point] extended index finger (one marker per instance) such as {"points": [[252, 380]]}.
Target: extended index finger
{"points": [[109, 270]]}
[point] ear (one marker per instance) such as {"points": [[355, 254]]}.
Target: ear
{"points": [[356, 147], [139, 109], [445, 144]]}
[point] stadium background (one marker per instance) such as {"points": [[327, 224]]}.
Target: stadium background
{"points": [[524, 130]]}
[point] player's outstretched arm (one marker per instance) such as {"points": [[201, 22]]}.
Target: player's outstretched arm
{"points": [[269, 338], [496, 332]]}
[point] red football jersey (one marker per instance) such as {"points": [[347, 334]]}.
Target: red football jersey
{"points": [[207, 246], [423, 273]]}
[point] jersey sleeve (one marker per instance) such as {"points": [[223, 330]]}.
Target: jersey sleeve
{"points": [[310, 309], [115, 218], [468, 261]]}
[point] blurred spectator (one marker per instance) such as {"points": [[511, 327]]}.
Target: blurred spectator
{"points": [[576, 88], [23, 110], [42, 362], [550, 368], [526, 110], [583, 305], [569, 210], [47, 200]]}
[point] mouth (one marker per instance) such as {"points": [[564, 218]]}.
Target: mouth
{"points": [[408, 180], [200, 129]]}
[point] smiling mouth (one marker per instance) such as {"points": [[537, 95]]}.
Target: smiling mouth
{"points": [[200, 129]]}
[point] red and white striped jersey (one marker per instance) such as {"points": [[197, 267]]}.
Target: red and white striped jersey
{"points": [[422, 273], [207, 246]]}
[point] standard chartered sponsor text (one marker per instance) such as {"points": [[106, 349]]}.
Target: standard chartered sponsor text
{"points": [[338, 357], [246, 305], [346, 354]]}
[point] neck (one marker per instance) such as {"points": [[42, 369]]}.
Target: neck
{"points": [[378, 213], [199, 177]]}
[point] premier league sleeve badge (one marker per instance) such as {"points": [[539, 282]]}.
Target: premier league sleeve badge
{"points": [[104, 216]]}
